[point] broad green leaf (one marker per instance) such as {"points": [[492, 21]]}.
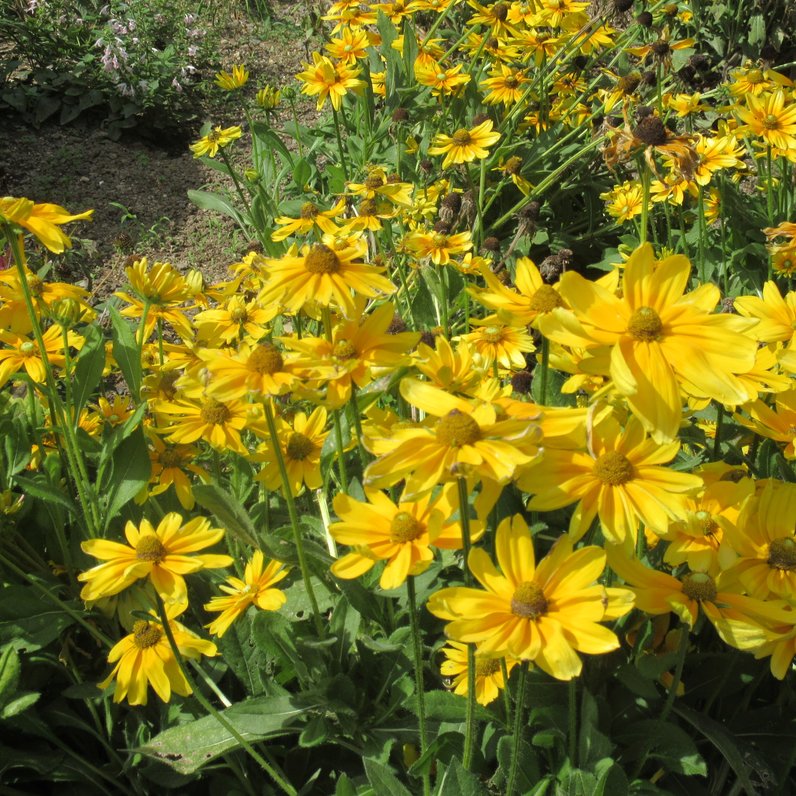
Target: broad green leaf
{"points": [[345, 787], [28, 623], [315, 733], [130, 472], [10, 670], [19, 705], [40, 487], [227, 511], [383, 781], [612, 780], [192, 745], [88, 367], [447, 706], [663, 741], [212, 201], [458, 781], [528, 770], [125, 351]]}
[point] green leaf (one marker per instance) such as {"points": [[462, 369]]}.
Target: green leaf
{"points": [[243, 656], [302, 172], [743, 760], [25, 622], [88, 367], [528, 770], [212, 201], [20, 704], [192, 745], [315, 733], [663, 741], [458, 781], [612, 779], [229, 512], [125, 351], [757, 29], [130, 473], [10, 670], [345, 787], [383, 781], [268, 136], [447, 706], [40, 487]]}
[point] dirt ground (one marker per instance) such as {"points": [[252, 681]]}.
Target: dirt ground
{"points": [[137, 188]]}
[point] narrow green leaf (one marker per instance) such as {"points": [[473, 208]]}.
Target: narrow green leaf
{"points": [[88, 367], [212, 201], [458, 781], [130, 472], [10, 669], [227, 511], [40, 487], [125, 351], [383, 781]]}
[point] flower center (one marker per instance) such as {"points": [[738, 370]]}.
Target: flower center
{"points": [[546, 299], [239, 314], [146, 634], [439, 241], [214, 412], [308, 211], [706, 523], [344, 349], [265, 359], [457, 429], [512, 82], [214, 136], [500, 11], [322, 260], [651, 131], [492, 334], [661, 48], [27, 348], [405, 528], [782, 554], [170, 457], [150, 548], [462, 137], [528, 600], [771, 122], [645, 325], [485, 667], [299, 447], [754, 76], [613, 468], [374, 181], [513, 164], [699, 586], [36, 284]]}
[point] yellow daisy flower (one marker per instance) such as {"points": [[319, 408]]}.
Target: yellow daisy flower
{"points": [[230, 81], [464, 145], [216, 139], [256, 588], [489, 680], [770, 118], [327, 79], [43, 221]]}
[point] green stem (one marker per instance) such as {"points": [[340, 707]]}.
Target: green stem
{"points": [[519, 714], [545, 366], [417, 645], [294, 522], [717, 438], [238, 186], [338, 441], [572, 721], [276, 776], [339, 143], [645, 200], [678, 672]]}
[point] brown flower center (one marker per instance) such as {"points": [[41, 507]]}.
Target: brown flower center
{"points": [[265, 359], [150, 548], [405, 528], [528, 600], [771, 122], [344, 349], [485, 667], [613, 468], [629, 83], [369, 207], [645, 325], [782, 554], [462, 137], [214, 136], [457, 429], [735, 475], [170, 457], [214, 412], [661, 48], [706, 523], [299, 447], [492, 334], [500, 11], [699, 586], [239, 314], [322, 260], [36, 284], [546, 299], [374, 181], [512, 82], [754, 76], [308, 211], [651, 131], [514, 163], [146, 634]]}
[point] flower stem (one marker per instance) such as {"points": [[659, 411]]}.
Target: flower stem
{"points": [[519, 715], [294, 522], [545, 365], [572, 721], [417, 645], [339, 143], [276, 776], [678, 672]]}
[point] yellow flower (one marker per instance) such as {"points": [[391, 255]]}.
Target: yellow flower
{"points": [[310, 216], [620, 479], [146, 658], [498, 342], [779, 425], [350, 47], [235, 319], [465, 145], [269, 98], [489, 681], [545, 613], [160, 554], [656, 338], [624, 201], [216, 139], [325, 275], [237, 79], [23, 352], [256, 588], [437, 245], [327, 79], [43, 221], [769, 118], [442, 81], [170, 466], [506, 85]]}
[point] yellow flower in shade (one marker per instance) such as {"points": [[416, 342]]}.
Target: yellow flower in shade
{"points": [[781, 641], [259, 369], [257, 589], [162, 554], [452, 370], [506, 85], [620, 479], [545, 614], [489, 680], [216, 139], [269, 98], [764, 543], [237, 78], [735, 616], [145, 658], [327, 79], [467, 439], [497, 342], [464, 145], [753, 79], [778, 423], [380, 530], [624, 202], [23, 352], [300, 440], [529, 299], [171, 465], [43, 221], [324, 275], [310, 216], [437, 245], [235, 319], [655, 337], [770, 118]]}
